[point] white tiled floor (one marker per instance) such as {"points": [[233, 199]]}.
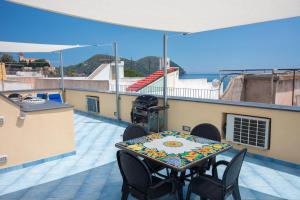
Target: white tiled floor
{"points": [[93, 173]]}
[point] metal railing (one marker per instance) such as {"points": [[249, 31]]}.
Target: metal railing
{"points": [[172, 91]]}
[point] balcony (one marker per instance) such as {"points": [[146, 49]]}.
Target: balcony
{"points": [[92, 173], [88, 170]]}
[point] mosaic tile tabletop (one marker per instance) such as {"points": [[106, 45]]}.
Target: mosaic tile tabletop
{"points": [[174, 149]]}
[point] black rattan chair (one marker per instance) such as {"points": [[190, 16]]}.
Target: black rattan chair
{"points": [[210, 132], [135, 131], [138, 181], [207, 131], [213, 188]]}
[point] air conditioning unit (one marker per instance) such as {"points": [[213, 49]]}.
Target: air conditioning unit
{"points": [[252, 131], [92, 104]]}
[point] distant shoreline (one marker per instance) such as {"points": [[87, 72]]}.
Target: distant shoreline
{"points": [[209, 76]]}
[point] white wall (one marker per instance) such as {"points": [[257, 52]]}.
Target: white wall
{"points": [[10, 85], [193, 83], [104, 73]]}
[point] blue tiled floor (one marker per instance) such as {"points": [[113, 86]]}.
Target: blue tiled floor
{"points": [[93, 173]]}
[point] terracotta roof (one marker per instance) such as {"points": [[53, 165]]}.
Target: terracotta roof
{"points": [[149, 79]]}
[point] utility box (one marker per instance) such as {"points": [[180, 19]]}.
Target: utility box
{"points": [[3, 159], [1, 121]]}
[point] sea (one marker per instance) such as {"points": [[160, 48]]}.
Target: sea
{"points": [[209, 77]]}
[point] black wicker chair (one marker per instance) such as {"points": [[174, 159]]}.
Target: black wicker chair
{"points": [[207, 131], [135, 131], [138, 181], [211, 187], [210, 132]]}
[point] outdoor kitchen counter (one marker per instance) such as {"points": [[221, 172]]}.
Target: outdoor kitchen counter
{"points": [[33, 132]]}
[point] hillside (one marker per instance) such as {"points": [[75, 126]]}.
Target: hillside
{"points": [[141, 67]]}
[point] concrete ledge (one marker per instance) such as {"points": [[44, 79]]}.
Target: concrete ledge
{"points": [[211, 101], [30, 90], [49, 105], [25, 107], [36, 162]]}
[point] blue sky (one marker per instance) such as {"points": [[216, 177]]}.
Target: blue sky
{"points": [[266, 45]]}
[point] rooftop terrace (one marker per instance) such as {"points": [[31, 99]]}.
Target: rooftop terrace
{"points": [[92, 173]]}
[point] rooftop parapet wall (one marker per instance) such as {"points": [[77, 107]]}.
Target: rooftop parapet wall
{"points": [[41, 83], [69, 83], [190, 112], [264, 88]]}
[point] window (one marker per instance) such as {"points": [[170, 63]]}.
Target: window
{"points": [[93, 104]]}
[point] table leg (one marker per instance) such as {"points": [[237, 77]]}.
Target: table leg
{"points": [[182, 177], [178, 177]]}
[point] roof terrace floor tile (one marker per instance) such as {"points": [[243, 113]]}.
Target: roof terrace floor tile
{"points": [[92, 173]]}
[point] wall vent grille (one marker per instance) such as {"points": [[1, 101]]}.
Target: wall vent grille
{"points": [[253, 131]]}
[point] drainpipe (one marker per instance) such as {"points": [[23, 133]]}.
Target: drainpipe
{"points": [[272, 88], [165, 95], [117, 82]]}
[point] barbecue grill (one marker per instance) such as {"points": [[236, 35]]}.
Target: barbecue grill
{"points": [[146, 112]]}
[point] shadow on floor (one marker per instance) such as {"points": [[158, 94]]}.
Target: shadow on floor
{"points": [[101, 183], [270, 164]]}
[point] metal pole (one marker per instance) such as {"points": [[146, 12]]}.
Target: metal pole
{"points": [[62, 85], [117, 81], [293, 92], [2, 68], [165, 95], [2, 76], [2, 83]]}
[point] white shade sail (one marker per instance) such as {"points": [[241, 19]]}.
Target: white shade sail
{"points": [[16, 47], [173, 15]]}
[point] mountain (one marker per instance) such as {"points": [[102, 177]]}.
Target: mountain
{"points": [[150, 64], [141, 67]]}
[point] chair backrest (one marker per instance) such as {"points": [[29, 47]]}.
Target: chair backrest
{"points": [[134, 131], [14, 95], [55, 97], [233, 169], [207, 131], [134, 171]]}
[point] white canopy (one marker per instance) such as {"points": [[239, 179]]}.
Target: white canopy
{"points": [[173, 15], [15, 47]]}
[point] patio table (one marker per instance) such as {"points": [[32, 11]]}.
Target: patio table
{"points": [[175, 150]]}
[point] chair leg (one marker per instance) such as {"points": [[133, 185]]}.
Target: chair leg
{"points": [[188, 194], [179, 192], [182, 177], [125, 192], [236, 192], [168, 173]]}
